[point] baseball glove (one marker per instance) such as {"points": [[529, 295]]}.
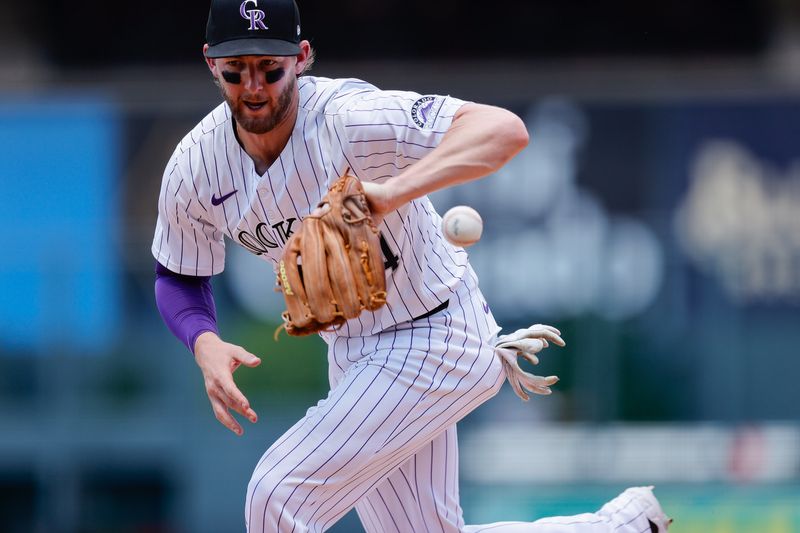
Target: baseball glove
{"points": [[332, 268]]}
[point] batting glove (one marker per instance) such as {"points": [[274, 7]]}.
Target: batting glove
{"points": [[527, 343]]}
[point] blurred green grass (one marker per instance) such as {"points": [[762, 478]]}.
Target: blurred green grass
{"points": [[290, 365]]}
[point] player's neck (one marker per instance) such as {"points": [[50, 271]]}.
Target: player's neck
{"points": [[265, 148]]}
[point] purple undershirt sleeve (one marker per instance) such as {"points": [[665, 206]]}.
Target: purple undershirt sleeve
{"points": [[186, 303]]}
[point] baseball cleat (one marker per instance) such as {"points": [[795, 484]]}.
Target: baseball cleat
{"points": [[658, 520], [634, 503]]}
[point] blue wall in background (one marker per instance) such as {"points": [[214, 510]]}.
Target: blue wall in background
{"points": [[59, 171]]}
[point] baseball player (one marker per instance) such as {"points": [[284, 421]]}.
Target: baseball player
{"points": [[401, 377]]}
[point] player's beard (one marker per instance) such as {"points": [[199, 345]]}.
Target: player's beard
{"points": [[268, 122]]}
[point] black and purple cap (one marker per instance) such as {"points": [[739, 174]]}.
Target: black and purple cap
{"points": [[253, 27]]}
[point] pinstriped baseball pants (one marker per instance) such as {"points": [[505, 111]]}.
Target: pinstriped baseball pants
{"points": [[384, 439]]}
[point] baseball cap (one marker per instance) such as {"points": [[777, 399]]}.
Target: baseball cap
{"points": [[253, 27]]}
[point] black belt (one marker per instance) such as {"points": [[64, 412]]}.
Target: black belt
{"points": [[441, 307]]}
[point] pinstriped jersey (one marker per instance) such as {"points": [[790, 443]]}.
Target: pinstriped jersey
{"points": [[211, 192]]}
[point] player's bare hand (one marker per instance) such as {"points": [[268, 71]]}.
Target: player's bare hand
{"points": [[379, 199], [218, 360]]}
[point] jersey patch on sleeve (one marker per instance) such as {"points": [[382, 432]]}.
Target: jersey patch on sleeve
{"points": [[425, 110]]}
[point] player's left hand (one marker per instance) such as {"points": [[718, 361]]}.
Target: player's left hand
{"points": [[527, 343], [218, 360]]}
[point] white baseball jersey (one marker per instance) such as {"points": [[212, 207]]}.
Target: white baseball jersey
{"points": [[211, 190]]}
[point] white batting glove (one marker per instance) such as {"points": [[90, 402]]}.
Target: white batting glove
{"points": [[527, 343]]}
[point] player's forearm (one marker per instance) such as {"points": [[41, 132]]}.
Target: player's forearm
{"points": [[481, 139], [186, 304]]}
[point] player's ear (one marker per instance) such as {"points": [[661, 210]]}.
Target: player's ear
{"points": [[302, 57], [212, 65]]}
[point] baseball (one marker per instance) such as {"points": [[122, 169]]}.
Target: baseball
{"points": [[462, 225]]}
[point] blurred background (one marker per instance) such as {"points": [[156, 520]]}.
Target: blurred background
{"points": [[654, 218]]}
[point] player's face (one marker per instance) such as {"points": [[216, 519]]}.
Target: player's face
{"points": [[260, 90]]}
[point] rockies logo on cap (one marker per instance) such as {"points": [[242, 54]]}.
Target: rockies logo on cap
{"points": [[253, 27], [255, 16]]}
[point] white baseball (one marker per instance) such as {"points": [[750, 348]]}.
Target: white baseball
{"points": [[462, 225]]}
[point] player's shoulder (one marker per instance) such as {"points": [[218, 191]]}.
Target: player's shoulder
{"points": [[202, 134], [329, 95]]}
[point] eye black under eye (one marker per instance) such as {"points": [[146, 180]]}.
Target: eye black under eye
{"points": [[274, 76], [234, 78]]}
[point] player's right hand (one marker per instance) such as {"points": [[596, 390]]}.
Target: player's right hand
{"points": [[218, 360]]}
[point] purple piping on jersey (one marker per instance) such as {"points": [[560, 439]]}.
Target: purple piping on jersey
{"points": [[186, 304]]}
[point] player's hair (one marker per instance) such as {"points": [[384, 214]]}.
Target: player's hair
{"points": [[312, 56]]}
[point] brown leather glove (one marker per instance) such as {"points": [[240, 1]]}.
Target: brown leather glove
{"points": [[332, 268]]}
